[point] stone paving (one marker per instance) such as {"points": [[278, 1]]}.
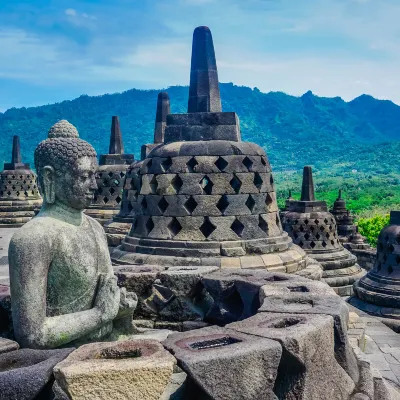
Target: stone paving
{"points": [[381, 346]]}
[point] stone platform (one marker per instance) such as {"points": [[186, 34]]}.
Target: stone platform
{"points": [[380, 344]]}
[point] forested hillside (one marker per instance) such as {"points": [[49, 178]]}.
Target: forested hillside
{"points": [[353, 144]]}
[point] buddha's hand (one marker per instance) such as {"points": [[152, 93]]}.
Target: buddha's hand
{"points": [[107, 298], [127, 304]]}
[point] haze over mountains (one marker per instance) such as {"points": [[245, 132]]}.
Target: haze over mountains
{"points": [[329, 133]]}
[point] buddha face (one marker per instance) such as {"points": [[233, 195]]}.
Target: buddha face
{"points": [[75, 187]]}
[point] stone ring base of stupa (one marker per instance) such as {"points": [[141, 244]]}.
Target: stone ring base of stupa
{"points": [[343, 279], [15, 213], [340, 270], [116, 231], [373, 309], [378, 295], [290, 260], [101, 215]]}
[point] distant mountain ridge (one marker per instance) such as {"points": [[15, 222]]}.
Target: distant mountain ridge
{"points": [[295, 131]]}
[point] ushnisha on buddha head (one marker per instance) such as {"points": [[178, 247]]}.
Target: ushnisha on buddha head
{"points": [[66, 166]]}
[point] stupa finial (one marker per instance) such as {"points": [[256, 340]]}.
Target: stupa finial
{"points": [[307, 188], [16, 160], [16, 151], [340, 194], [163, 109], [204, 93], [116, 143], [290, 194]]}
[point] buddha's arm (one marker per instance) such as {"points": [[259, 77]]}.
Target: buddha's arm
{"points": [[29, 263]]}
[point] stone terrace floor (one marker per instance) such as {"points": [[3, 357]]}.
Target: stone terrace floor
{"points": [[382, 347]]}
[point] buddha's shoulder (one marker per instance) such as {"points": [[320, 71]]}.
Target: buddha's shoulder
{"points": [[94, 224], [38, 230]]}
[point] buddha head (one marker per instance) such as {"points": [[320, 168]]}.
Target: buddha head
{"points": [[66, 167]]}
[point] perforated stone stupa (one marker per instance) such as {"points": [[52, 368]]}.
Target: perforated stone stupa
{"points": [[110, 177], [119, 226], [379, 290], [19, 193], [314, 229], [204, 196], [344, 220]]}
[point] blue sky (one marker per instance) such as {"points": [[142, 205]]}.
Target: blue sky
{"points": [[53, 50]]}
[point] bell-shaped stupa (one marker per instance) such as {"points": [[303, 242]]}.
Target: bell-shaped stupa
{"points": [[204, 196], [344, 220], [119, 226], [20, 199], [110, 177], [314, 229], [378, 292]]}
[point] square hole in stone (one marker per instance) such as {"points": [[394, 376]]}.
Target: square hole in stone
{"points": [[214, 343]]}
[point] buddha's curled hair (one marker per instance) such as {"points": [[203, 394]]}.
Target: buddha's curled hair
{"points": [[62, 148]]}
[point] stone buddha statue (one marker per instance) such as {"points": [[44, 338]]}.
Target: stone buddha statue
{"points": [[63, 289]]}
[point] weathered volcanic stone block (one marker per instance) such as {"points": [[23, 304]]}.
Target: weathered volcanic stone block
{"points": [[133, 369], [7, 345], [187, 298], [308, 369], [283, 288], [227, 364], [27, 374], [304, 303], [138, 279], [236, 292]]}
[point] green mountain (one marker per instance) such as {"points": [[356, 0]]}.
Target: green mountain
{"points": [[334, 136]]}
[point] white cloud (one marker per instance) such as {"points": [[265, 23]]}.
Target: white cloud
{"points": [[88, 16], [77, 18], [253, 48], [70, 12], [28, 57]]}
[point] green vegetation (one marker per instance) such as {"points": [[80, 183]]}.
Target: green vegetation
{"points": [[351, 145], [370, 227]]}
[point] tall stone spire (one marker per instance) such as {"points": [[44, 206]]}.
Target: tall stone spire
{"points": [[307, 188], [16, 150], [110, 177], [16, 160], [340, 195], [163, 109], [204, 93], [116, 143]]}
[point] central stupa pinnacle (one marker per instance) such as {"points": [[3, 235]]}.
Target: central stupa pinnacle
{"points": [[205, 197]]}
